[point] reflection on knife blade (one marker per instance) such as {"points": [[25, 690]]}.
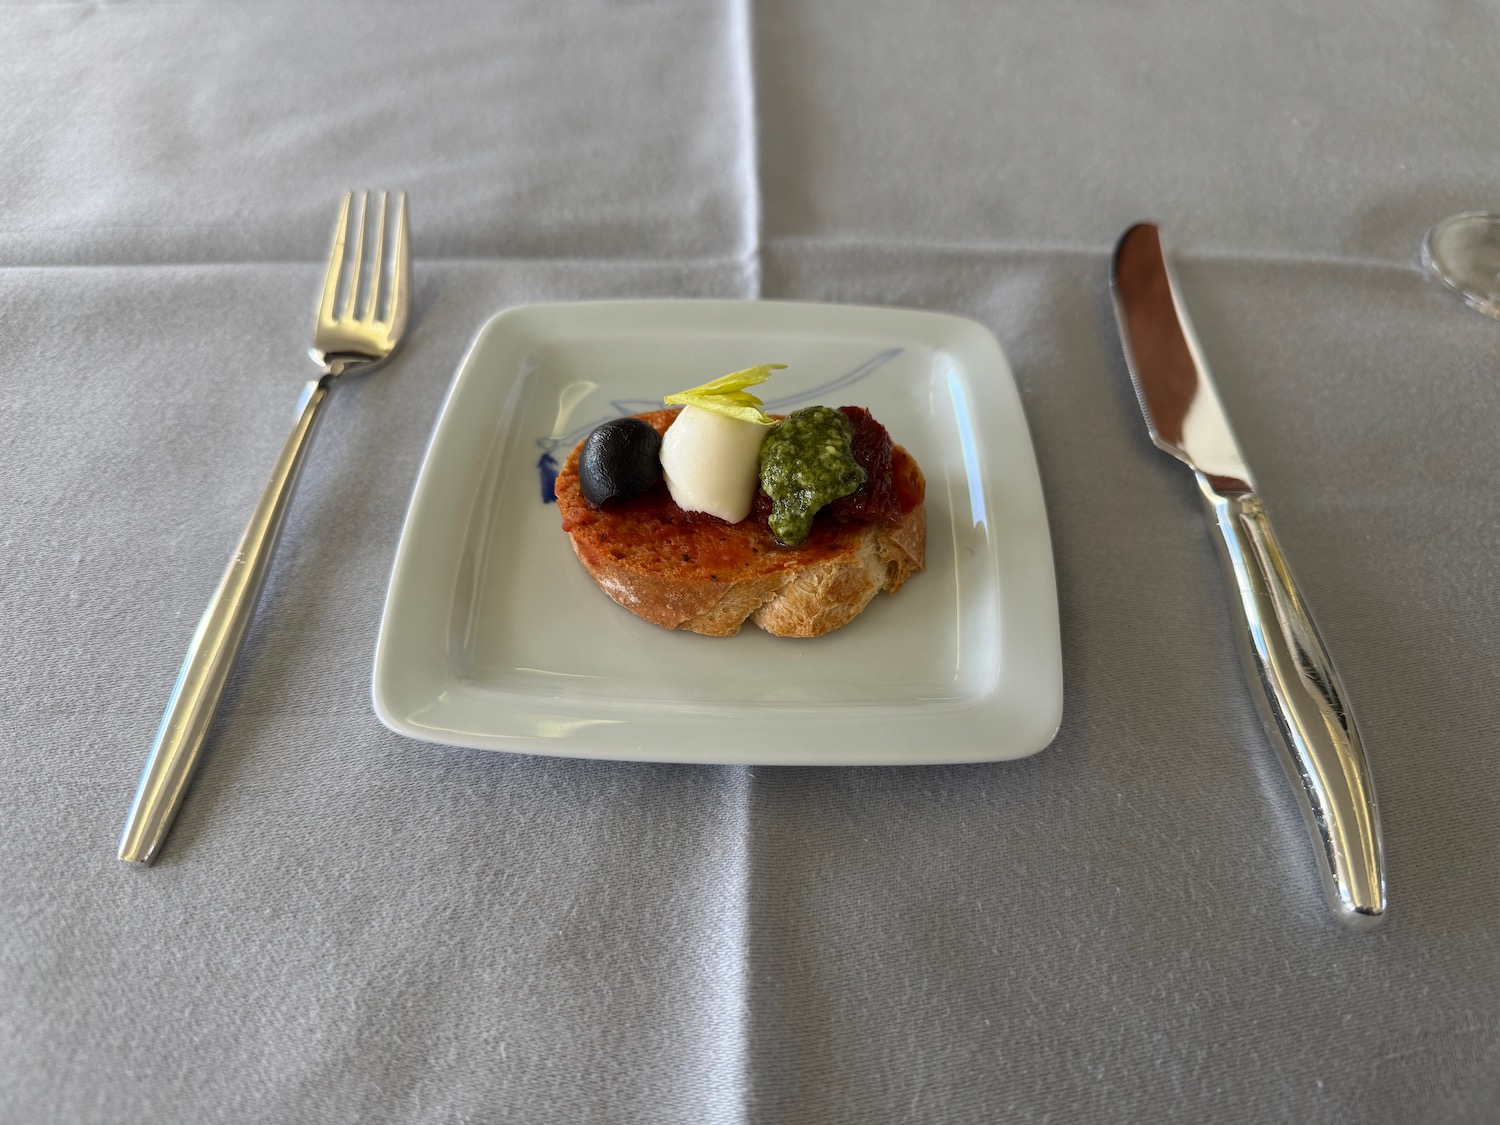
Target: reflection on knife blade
{"points": [[1166, 364]]}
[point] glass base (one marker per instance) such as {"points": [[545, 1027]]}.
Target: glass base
{"points": [[1463, 253]]}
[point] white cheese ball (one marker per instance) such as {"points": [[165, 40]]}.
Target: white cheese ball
{"points": [[711, 462]]}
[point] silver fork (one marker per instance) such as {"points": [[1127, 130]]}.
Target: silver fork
{"points": [[351, 336]]}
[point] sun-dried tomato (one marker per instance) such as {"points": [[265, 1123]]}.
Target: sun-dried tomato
{"points": [[875, 501]]}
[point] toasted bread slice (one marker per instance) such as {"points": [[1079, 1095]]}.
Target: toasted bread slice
{"points": [[686, 570]]}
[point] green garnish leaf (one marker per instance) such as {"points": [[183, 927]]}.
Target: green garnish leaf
{"points": [[727, 395]]}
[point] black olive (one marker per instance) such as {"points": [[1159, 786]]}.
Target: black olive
{"points": [[621, 458]]}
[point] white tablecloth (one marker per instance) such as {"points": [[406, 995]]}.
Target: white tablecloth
{"points": [[349, 926]]}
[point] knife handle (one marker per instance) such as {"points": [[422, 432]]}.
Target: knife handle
{"points": [[1302, 705], [210, 657]]}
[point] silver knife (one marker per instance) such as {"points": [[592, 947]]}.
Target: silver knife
{"points": [[1298, 692]]}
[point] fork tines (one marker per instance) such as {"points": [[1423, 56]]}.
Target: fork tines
{"points": [[360, 290]]}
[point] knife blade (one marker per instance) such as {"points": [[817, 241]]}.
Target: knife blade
{"points": [[1296, 688]]}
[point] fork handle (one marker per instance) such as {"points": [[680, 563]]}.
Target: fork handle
{"points": [[211, 655]]}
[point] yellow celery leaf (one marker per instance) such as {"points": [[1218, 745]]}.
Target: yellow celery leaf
{"points": [[726, 395]]}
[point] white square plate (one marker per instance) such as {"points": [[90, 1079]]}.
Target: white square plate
{"points": [[494, 637]]}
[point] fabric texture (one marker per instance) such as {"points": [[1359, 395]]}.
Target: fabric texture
{"points": [[348, 926]]}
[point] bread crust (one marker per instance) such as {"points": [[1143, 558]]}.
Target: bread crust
{"points": [[684, 570]]}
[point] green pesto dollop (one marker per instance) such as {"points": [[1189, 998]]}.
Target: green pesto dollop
{"points": [[805, 463]]}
